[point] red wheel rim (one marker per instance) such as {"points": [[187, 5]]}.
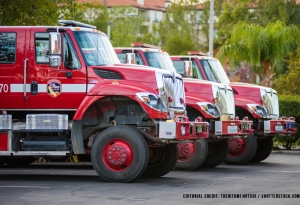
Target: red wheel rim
{"points": [[186, 151], [236, 146], [117, 155]]}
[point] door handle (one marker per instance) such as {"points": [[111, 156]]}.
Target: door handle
{"points": [[24, 85], [34, 88]]}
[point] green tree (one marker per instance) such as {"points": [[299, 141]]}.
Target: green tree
{"points": [[94, 13], [124, 29], [233, 12], [262, 12], [288, 83], [177, 30], [35, 12], [262, 47]]}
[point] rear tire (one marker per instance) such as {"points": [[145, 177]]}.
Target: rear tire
{"points": [[191, 155], [162, 160], [264, 149], [217, 152], [241, 150], [19, 161], [119, 154]]}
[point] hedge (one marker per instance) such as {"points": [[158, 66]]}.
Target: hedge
{"points": [[289, 105]]}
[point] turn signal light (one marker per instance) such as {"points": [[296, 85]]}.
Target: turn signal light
{"points": [[181, 100]]}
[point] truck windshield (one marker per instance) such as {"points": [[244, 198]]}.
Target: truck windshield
{"points": [[159, 60], [179, 66], [96, 48], [214, 71]]}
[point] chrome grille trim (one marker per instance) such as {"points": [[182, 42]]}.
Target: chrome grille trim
{"points": [[227, 102], [171, 86], [270, 102]]}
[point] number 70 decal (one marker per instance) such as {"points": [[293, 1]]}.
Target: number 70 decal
{"points": [[3, 88]]}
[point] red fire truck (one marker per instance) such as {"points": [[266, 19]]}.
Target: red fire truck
{"points": [[260, 104], [64, 92], [212, 101]]}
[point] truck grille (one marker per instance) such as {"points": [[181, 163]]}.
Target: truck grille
{"points": [[226, 102], [270, 102], [173, 87]]}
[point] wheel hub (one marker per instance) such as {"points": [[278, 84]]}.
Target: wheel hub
{"points": [[185, 151], [236, 146], [117, 155]]}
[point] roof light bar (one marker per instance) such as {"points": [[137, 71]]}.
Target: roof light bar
{"points": [[75, 24], [197, 53], [144, 45]]}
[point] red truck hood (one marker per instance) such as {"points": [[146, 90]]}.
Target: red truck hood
{"points": [[248, 91], [198, 86], [245, 89]]}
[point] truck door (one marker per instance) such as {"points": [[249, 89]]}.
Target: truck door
{"points": [[53, 88], [13, 62]]}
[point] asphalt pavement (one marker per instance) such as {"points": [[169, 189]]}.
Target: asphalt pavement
{"points": [[273, 181]]}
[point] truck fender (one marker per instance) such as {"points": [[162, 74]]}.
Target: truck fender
{"points": [[242, 103], [191, 101], [104, 90]]}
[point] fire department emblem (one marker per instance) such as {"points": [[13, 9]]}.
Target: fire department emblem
{"points": [[54, 88]]}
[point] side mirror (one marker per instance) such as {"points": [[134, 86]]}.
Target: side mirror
{"points": [[55, 49], [130, 58], [188, 69]]}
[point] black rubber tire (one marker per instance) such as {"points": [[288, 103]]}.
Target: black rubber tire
{"points": [[199, 157], [19, 161], [246, 155], [264, 149], [138, 146], [161, 165], [217, 152]]}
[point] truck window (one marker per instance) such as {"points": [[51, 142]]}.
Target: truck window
{"points": [[41, 47], [209, 71], [138, 58], [179, 65], [8, 47], [70, 58]]}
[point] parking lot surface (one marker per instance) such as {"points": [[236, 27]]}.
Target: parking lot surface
{"points": [[273, 181]]}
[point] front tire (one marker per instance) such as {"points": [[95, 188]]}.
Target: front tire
{"points": [[241, 150], [191, 155], [119, 154], [217, 152], [162, 160], [264, 149]]}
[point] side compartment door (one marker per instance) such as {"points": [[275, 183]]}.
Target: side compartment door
{"points": [[13, 62], [53, 88]]}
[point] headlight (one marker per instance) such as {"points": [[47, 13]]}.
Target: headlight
{"points": [[259, 110], [209, 108], [152, 101]]}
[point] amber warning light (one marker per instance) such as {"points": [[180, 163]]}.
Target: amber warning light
{"points": [[198, 53], [144, 45]]}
